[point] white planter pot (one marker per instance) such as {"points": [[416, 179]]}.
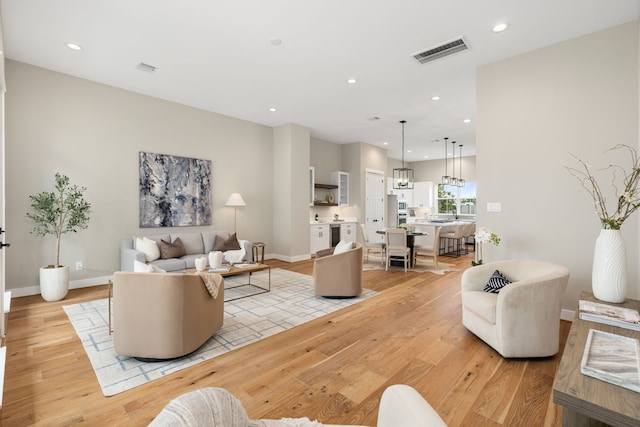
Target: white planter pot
{"points": [[609, 275], [201, 263], [54, 283]]}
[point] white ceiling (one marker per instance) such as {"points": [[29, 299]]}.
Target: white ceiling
{"points": [[217, 55]]}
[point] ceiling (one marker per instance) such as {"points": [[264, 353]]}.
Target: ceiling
{"points": [[223, 56]]}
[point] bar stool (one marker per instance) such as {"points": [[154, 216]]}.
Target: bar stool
{"points": [[256, 248]]}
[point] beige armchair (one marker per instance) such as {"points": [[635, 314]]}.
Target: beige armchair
{"points": [[163, 315], [338, 275], [523, 319]]}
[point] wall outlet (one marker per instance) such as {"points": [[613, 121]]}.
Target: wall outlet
{"points": [[78, 265]]}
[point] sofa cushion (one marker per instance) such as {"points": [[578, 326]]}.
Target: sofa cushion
{"points": [[172, 264], [496, 282], [192, 242], [229, 244], [172, 250], [148, 247]]}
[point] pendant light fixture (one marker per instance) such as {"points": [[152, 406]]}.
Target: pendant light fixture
{"points": [[461, 181], [445, 178], [453, 180], [402, 177]]}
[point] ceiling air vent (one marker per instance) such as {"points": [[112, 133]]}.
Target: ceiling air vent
{"points": [[146, 67], [442, 50]]}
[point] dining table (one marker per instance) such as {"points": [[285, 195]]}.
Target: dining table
{"points": [[410, 243]]}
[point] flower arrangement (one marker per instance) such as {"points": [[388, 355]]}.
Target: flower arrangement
{"points": [[626, 196], [484, 236]]}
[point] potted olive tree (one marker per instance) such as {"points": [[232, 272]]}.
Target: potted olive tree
{"points": [[58, 212]]}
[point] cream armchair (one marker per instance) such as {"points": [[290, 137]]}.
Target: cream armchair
{"points": [[338, 275], [163, 315], [523, 319]]}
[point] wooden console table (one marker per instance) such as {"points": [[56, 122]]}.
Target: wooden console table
{"points": [[585, 400]]}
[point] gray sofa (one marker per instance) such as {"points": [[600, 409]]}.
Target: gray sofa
{"points": [[196, 244]]}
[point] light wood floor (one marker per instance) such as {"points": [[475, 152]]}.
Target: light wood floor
{"points": [[333, 369]]}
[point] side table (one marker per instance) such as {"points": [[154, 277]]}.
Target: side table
{"points": [[257, 246]]}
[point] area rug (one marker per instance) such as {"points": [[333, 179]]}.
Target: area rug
{"points": [[422, 266], [290, 303]]}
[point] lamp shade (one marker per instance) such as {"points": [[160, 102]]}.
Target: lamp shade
{"points": [[235, 199]]}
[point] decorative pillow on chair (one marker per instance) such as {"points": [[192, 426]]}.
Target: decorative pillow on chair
{"points": [[496, 282], [231, 244], [172, 250], [148, 247], [141, 267], [343, 246]]}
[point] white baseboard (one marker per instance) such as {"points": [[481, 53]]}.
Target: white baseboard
{"points": [[73, 284]]}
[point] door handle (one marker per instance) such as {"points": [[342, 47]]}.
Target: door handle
{"points": [[2, 245]]}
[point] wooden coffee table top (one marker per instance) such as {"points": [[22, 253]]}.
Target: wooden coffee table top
{"points": [[233, 270]]}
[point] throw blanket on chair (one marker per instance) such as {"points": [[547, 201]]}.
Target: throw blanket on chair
{"points": [[212, 281]]}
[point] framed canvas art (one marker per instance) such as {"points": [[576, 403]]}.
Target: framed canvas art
{"points": [[174, 191]]}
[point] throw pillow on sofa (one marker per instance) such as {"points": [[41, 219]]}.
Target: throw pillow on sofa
{"points": [[172, 250], [230, 244], [148, 247]]}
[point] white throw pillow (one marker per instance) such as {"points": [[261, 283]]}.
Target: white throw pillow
{"points": [[141, 267], [148, 247], [342, 246]]}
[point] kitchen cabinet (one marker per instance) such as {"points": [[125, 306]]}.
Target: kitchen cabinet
{"points": [[422, 195], [341, 179], [320, 237], [348, 232]]}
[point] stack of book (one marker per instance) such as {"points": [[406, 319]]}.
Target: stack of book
{"points": [[611, 315]]}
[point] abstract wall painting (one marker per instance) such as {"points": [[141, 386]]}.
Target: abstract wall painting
{"points": [[174, 191]]}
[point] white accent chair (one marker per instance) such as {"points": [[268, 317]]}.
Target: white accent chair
{"points": [[396, 240], [400, 406], [368, 246], [523, 319]]}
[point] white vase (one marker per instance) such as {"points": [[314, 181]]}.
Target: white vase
{"points": [[201, 263], [609, 275], [215, 259], [54, 283]]}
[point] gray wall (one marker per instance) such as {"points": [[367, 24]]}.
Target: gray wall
{"points": [[93, 133], [579, 97]]}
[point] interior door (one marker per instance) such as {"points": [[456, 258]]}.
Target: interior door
{"points": [[2, 207], [374, 206]]}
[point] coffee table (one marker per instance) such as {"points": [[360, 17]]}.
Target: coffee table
{"points": [[239, 269], [585, 399]]}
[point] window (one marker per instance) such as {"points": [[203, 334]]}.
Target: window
{"points": [[454, 200]]}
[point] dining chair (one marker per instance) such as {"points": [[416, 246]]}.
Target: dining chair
{"points": [[368, 246], [453, 239], [396, 240], [428, 250]]}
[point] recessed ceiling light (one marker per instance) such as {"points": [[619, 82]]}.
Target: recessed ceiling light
{"points": [[426, 157], [352, 81], [273, 109], [275, 41], [385, 143], [500, 27], [73, 46], [435, 98], [467, 120], [408, 151]]}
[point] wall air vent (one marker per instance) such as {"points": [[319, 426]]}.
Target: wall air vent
{"points": [[146, 67], [445, 49]]}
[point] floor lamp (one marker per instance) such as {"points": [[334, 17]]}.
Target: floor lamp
{"points": [[235, 200]]}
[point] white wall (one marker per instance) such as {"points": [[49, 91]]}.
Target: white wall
{"points": [[93, 133], [580, 97]]}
